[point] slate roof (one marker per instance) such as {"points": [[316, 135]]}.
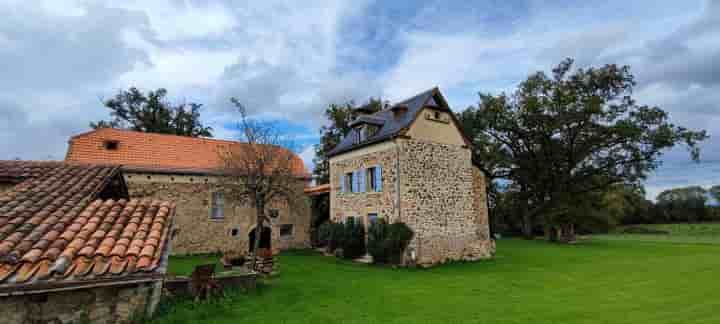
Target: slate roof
{"points": [[162, 153], [392, 124], [55, 232]]}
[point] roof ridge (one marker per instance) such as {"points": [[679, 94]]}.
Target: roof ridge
{"points": [[105, 129]]}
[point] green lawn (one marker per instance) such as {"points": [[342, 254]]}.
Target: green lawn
{"points": [[184, 265], [707, 233], [599, 281]]}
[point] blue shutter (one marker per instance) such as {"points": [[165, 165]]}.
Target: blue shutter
{"points": [[362, 173], [378, 178], [354, 181], [342, 183]]}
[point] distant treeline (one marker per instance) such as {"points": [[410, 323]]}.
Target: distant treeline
{"points": [[622, 205]]}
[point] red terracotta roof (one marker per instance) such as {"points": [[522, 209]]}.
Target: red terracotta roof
{"points": [[318, 190], [53, 230], [151, 152], [17, 171]]}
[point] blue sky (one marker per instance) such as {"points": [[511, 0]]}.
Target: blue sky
{"points": [[286, 60]]}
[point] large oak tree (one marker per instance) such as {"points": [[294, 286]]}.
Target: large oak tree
{"points": [[152, 113], [563, 138]]}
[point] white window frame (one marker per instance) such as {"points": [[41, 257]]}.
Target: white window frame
{"points": [[217, 203]]}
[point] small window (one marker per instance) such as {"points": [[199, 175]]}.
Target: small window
{"points": [[274, 213], [234, 232], [349, 182], [372, 218], [438, 115], [286, 230], [370, 178], [363, 134], [217, 208], [110, 145]]}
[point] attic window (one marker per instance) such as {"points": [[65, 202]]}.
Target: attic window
{"points": [[111, 145]]}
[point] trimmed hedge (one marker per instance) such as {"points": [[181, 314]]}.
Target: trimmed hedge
{"points": [[331, 235], [387, 242], [353, 242]]}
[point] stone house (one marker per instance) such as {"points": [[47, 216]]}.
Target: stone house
{"points": [[411, 163], [74, 248], [189, 172]]}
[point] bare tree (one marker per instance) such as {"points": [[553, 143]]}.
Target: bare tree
{"points": [[264, 170]]}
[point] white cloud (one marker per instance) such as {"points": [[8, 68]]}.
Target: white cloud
{"points": [[183, 20], [307, 156]]}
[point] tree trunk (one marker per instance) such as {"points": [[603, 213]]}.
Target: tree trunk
{"points": [[567, 233], [527, 226], [260, 213]]}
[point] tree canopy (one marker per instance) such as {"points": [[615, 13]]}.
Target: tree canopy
{"points": [[339, 117], [152, 113], [566, 137]]}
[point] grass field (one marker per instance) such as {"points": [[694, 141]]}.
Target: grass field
{"points": [[598, 281], [706, 233]]}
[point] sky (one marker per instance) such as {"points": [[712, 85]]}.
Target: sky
{"points": [[286, 60]]}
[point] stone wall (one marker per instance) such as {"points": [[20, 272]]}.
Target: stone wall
{"points": [[196, 232], [441, 197], [89, 305], [360, 204], [439, 202]]}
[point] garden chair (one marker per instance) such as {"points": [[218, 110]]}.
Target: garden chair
{"points": [[203, 283]]}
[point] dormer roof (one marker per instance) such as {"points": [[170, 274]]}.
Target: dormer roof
{"points": [[394, 120]]}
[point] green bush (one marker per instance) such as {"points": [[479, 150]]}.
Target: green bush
{"points": [[377, 234], [353, 240], [398, 238], [324, 233], [387, 242], [331, 235]]}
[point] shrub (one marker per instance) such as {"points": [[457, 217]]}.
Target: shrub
{"points": [[387, 242], [377, 234], [353, 240], [331, 235], [324, 233], [398, 238]]}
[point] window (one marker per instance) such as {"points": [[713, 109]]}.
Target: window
{"points": [[111, 145], [286, 230], [217, 207], [437, 115], [274, 213], [374, 178], [371, 179], [347, 182], [357, 134], [234, 232], [363, 134], [372, 218]]}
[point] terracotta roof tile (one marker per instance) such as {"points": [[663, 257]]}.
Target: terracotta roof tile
{"points": [[152, 152], [52, 229]]}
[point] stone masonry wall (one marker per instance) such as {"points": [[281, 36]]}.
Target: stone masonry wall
{"points": [[439, 200], [90, 305], [442, 197], [360, 204], [196, 232]]}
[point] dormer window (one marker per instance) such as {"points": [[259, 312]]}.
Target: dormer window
{"points": [[363, 133], [111, 145]]}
